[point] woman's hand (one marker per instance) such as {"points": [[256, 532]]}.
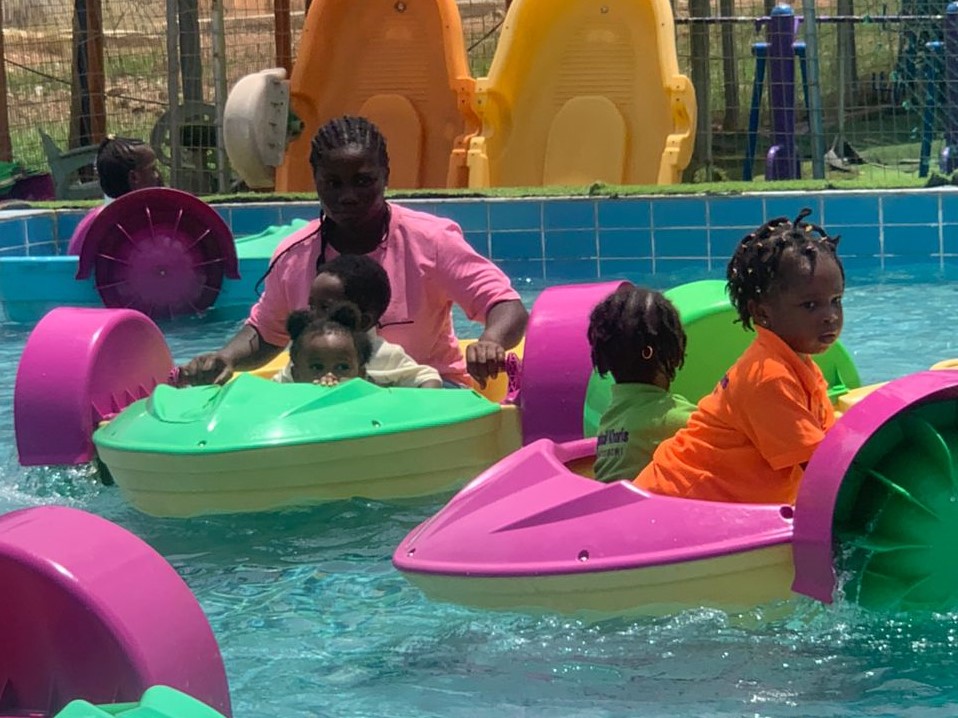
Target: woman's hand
{"points": [[245, 351], [505, 325], [484, 360], [212, 368]]}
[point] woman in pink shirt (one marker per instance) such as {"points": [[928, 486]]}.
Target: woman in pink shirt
{"points": [[428, 261]]}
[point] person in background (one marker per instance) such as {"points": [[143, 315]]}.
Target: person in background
{"points": [[636, 335], [124, 165]]}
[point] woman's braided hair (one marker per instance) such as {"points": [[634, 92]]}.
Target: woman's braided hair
{"points": [[754, 267], [347, 131], [636, 333]]}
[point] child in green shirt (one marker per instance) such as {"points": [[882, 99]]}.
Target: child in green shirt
{"points": [[635, 334]]}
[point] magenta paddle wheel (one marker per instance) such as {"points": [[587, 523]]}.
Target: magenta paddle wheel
{"points": [[160, 251]]}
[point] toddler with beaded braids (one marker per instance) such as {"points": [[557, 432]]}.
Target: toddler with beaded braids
{"points": [[749, 440], [636, 335]]}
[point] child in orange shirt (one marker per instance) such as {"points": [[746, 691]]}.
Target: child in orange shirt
{"points": [[750, 439]]}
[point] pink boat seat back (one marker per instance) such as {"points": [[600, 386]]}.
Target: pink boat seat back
{"points": [[845, 456], [69, 379], [557, 361]]}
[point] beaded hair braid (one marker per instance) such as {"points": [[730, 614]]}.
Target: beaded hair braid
{"points": [[754, 267]]}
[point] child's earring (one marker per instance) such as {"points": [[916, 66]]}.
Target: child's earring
{"points": [[648, 352]]}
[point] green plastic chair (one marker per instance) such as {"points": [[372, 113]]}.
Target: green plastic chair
{"points": [[65, 166]]}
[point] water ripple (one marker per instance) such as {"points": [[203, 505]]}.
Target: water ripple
{"points": [[313, 620]]}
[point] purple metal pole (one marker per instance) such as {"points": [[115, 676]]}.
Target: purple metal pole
{"points": [[948, 162], [782, 159]]}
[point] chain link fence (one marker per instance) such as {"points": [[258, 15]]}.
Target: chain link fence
{"points": [[882, 80], [883, 74], [73, 77]]}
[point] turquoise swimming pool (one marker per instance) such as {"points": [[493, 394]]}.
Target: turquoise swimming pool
{"points": [[313, 620]]}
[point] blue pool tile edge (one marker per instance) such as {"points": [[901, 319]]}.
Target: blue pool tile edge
{"points": [[591, 237]]}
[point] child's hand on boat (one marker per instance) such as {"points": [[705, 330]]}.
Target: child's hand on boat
{"points": [[327, 380]]}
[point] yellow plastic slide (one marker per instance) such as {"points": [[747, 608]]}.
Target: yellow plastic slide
{"points": [[581, 91], [403, 65]]}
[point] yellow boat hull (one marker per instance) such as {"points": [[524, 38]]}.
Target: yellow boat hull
{"points": [[401, 465], [734, 582]]}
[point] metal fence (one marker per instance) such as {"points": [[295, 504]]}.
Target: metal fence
{"points": [[884, 70], [882, 81], [76, 69]]}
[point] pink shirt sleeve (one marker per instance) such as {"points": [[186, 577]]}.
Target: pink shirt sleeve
{"points": [[469, 279], [286, 287]]}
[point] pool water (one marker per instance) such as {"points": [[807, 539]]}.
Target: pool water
{"points": [[312, 619]]}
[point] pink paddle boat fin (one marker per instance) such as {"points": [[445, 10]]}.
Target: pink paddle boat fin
{"points": [[79, 367], [89, 611], [158, 250]]}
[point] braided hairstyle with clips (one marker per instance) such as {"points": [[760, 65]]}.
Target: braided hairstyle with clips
{"points": [[635, 334], [754, 268], [348, 131], [115, 159]]}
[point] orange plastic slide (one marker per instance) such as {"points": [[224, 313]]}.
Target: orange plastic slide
{"points": [[402, 64]]}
